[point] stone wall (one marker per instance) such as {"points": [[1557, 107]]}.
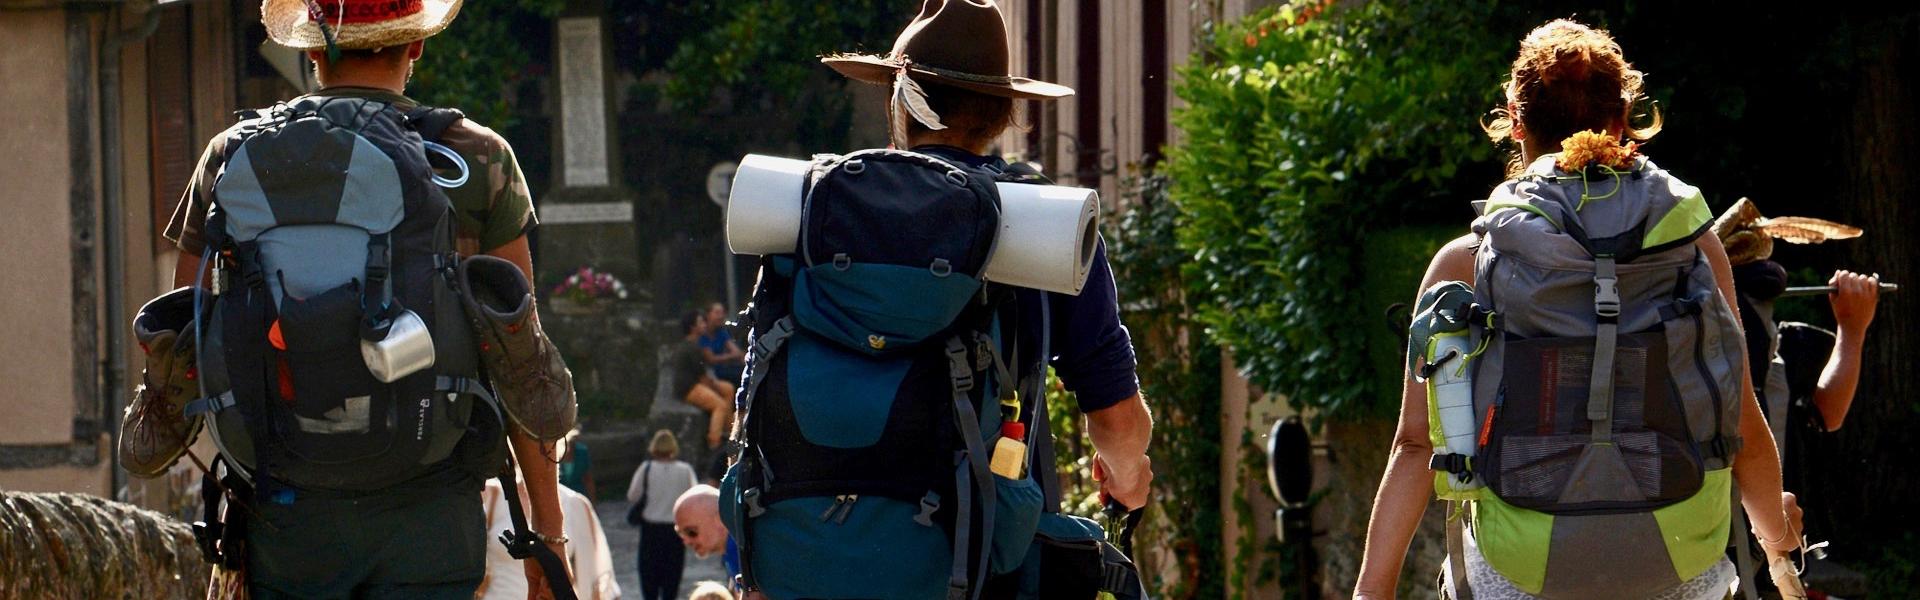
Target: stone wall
{"points": [[1358, 452]]}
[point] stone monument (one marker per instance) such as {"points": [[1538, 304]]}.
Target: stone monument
{"points": [[586, 222]]}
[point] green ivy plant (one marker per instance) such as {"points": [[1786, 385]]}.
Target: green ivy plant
{"points": [[1179, 370], [1309, 126]]}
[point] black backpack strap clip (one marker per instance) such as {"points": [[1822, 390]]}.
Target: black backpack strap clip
{"points": [[1457, 464]]}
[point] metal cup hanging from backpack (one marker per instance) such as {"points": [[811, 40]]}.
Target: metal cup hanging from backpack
{"points": [[397, 347], [393, 340]]}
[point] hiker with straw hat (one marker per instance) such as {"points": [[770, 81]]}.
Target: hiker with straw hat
{"points": [[887, 511], [1805, 376], [328, 502]]}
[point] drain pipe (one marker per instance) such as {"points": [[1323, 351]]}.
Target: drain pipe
{"points": [[113, 239]]}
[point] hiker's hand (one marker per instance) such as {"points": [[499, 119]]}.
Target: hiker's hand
{"points": [[1795, 515], [1785, 546], [1125, 481], [1854, 298], [1780, 568], [537, 586]]}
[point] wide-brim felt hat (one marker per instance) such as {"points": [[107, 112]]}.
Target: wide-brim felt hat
{"points": [[355, 24], [958, 43]]}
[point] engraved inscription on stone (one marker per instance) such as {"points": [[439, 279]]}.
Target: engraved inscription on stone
{"points": [[586, 212], [583, 117]]}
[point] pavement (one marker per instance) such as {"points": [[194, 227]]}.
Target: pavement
{"points": [[624, 541]]}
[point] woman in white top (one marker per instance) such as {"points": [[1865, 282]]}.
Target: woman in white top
{"points": [[656, 484], [586, 546]]}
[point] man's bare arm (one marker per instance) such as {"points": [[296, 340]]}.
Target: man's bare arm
{"points": [[1120, 435], [537, 468]]}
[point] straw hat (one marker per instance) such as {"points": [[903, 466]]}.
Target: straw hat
{"points": [[960, 43], [1748, 236], [355, 24]]}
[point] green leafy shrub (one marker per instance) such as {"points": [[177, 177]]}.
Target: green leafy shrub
{"points": [[1308, 128]]}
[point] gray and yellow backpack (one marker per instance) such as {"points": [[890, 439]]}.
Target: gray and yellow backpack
{"points": [[1584, 390]]}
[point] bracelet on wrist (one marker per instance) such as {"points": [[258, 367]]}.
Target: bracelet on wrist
{"points": [[551, 540]]}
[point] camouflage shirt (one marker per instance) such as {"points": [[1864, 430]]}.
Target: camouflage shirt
{"points": [[491, 209]]}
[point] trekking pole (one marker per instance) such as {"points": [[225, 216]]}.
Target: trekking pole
{"points": [[1822, 290], [1127, 521]]}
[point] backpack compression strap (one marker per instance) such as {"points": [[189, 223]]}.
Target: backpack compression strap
{"points": [[1606, 310], [1456, 565], [970, 471], [762, 346]]}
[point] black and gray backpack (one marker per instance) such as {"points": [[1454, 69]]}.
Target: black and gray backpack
{"points": [[327, 234]]}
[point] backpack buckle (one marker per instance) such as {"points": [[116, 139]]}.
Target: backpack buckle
{"points": [[929, 504], [751, 498], [1457, 464], [1606, 296]]}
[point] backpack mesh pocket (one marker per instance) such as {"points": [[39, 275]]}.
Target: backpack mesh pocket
{"points": [[1542, 453]]}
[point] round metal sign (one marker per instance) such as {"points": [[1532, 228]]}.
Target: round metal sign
{"points": [[720, 182]]}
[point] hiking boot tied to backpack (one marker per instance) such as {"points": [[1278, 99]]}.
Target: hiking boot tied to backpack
{"points": [[155, 431], [528, 374]]}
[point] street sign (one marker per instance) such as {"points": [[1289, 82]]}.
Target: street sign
{"points": [[720, 182]]}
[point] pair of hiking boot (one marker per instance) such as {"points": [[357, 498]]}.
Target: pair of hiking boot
{"points": [[531, 380]]}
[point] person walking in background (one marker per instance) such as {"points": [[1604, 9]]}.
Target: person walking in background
{"points": [[1805, 376], [576, 465], [694, 382], [696, 517], [587, 552], [710, 590], [659, 482], [722, 353]]}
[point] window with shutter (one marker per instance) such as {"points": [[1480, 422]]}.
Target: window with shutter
{"points": [[173, 152]]}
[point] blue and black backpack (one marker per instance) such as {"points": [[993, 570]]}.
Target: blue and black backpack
{"points": [[879, 376]]}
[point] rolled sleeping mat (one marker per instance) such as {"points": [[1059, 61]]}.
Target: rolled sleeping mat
{"points": [[1048, 233]]}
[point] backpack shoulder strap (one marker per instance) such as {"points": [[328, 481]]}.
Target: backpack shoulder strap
{"points": [[431, 123]]}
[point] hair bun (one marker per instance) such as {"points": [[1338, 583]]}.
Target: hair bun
{"points": [[1572, 65]]}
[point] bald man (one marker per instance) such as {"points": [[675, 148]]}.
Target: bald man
{"points": [[696, 517]]}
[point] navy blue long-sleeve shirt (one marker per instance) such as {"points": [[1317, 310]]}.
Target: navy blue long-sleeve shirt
{"points": [[1090, 349]]}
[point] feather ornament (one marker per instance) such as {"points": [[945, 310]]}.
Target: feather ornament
{"points": [[910, 100]]}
